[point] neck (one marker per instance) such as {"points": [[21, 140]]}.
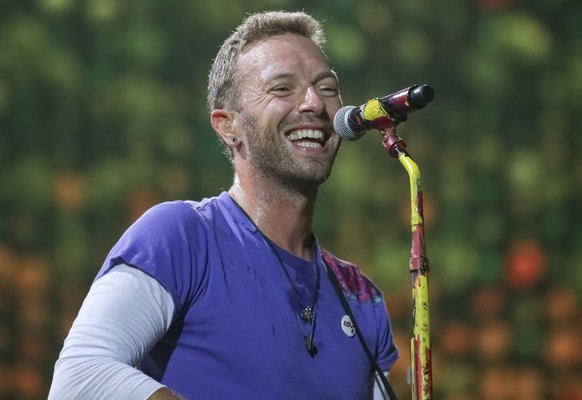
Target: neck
{"points": [[284, 215]]}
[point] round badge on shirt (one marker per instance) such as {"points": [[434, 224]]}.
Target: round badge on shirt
{"points": [[348, 326]]}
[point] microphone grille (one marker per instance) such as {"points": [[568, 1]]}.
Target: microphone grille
{"points": [[341, 124]]}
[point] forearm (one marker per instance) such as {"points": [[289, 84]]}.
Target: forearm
{"points": [[98, 378]]}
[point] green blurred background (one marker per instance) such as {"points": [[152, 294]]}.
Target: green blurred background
{"points": [[102, 114]]}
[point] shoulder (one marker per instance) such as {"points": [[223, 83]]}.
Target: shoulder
{"points": [[177, 214], [165, 229], [353, 282], [170, 211]]}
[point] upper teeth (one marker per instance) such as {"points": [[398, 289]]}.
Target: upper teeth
{"points": [[306, 133]]}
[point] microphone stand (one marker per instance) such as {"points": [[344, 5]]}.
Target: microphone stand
{"points": [[420, 350], [384, 115]]}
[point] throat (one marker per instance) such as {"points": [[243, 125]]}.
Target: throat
{"points": [[285, 219]]}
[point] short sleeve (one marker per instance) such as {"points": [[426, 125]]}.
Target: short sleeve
{"points": [[386, 352], [169, 244]]}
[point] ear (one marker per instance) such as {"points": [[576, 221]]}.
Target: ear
{"points": [[222, 122]]}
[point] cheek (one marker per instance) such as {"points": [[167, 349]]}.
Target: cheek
{"points": [[265, 106], [333, 105], [276, 112]]}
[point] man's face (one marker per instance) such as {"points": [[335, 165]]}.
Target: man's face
{"points": [[288, 97]]}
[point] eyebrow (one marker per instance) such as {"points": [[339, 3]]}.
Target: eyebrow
{"points": [[320, 76], [326, 74]]}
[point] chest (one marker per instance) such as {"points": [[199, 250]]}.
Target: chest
{"points": [[247, 321]]}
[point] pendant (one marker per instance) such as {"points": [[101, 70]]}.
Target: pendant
{"points": [[307, 315], [310, 345]]}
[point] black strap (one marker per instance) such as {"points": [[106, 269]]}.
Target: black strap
{"points": [[376, 367]]}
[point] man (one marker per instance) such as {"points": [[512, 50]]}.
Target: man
{"points": [[231, 297]]}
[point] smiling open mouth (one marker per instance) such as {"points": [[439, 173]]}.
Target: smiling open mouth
{"points": [[307, 138]]}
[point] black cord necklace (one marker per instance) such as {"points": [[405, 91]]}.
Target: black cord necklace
{"points": [[307, 313]]}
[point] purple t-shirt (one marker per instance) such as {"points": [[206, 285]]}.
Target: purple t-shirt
{"points": [[236, 331]]}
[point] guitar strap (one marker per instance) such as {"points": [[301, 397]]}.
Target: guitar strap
{"points": [[387, 387]]}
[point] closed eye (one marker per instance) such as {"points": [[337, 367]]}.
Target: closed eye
{"points": [[281, 89], [328, 91]]}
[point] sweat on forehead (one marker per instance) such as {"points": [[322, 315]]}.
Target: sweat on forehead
{"points": [[284, 55]]}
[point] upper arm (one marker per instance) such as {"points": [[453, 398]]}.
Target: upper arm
{"points": [[122, 317]]}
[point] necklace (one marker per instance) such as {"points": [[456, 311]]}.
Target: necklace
{"points": [[307, 313]]}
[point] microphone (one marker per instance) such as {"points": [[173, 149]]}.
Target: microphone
{"points": [[352, 122]]}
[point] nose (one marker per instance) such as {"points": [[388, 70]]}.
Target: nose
{"points": [[312, 102]]}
